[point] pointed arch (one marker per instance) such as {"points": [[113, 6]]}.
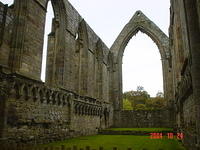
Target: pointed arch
{"points": [[139, 22]]}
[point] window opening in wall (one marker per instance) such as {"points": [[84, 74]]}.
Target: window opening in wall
{"points": [[48, 24], [142, 73]]}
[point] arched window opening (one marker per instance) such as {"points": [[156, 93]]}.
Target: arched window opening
{"points": [[48, 24], [142, 67], [9, 2]]}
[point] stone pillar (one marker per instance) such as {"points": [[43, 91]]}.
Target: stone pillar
{"points": [[2, 113], [5, 87], [194, 38], [164, 71], [2, 25], [27, 38], [100, 79], [82, 66], [110, 73], [51, 55], [116, 94], [71, 111], [99, 70]]}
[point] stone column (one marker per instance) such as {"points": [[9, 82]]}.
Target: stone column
{"points": [[82, 50], [18, 35], [194, 38], [2, 113], [5, 88], [2, 25], [27, 38], [116, 94], [51, 55], [71, 111]]}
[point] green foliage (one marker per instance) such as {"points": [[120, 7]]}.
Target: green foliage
{"points": [[156, 103], [140, 107], [127, 105], [141, 100], [137, 97], [159, 94]]}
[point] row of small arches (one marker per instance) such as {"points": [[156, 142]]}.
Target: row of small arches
{"points": [[38, 93], [84, 109], [27, 91]]}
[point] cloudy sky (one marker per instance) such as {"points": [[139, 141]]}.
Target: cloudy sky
{"points": [[141, 61]]}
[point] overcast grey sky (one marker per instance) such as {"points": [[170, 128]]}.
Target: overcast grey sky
{"points": [[141, 61]]}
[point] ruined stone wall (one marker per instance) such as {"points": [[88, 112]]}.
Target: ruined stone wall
{"points": [[34, 112], [184, 44], [80, 39], [144, 119], [75, 99]]}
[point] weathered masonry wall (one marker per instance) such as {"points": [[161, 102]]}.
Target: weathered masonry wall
{"points": [[76, 97], [83, 67], [35, 112], [144, 119], [184, 44]]}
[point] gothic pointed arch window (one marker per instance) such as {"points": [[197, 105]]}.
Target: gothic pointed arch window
{"points": [[139, 22], [8, 2], [141, 62]]}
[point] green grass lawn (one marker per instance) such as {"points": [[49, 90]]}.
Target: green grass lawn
{"points": [[141, 129], [122, 142]]}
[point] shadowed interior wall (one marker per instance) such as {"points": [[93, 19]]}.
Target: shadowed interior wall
{"points": [[184, 44]]}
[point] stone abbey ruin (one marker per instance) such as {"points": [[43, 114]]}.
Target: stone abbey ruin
{"points": [[83, 89]]}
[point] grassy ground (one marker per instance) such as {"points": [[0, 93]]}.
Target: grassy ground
{"points": [[122, 142], [141, 129]]}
